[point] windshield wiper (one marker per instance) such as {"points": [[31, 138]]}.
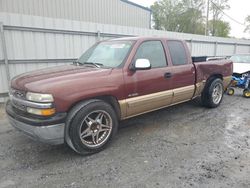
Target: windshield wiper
{"points": [[77, 62], [98, 65]]}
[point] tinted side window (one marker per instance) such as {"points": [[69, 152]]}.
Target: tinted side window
{"points": [[154, 52], [177, 52]]}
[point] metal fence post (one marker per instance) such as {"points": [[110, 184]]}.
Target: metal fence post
{"points": [[235, 48], [98, 36], [191, 46], [215, 48], [5, 55]]}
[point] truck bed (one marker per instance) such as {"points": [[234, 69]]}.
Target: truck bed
{"points": [[196, 59], [205, 69]]}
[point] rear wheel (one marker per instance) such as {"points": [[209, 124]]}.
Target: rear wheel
{"points": [[92, 127], [212, 94], [246, 93]]}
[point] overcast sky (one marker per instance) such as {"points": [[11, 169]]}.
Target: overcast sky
{"points": [[238, 11]]}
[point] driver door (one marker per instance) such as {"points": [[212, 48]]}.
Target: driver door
{"points": [[148, 90]]}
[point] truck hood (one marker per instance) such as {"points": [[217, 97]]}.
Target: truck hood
{"points": [[241, 68], [44, 79]]}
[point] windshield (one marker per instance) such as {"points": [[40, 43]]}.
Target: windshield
{"points": [[107, 54], [241, 58]]}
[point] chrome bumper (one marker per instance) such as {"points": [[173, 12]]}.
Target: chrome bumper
{"points": [[51, 134]]}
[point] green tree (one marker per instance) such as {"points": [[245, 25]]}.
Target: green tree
{"points": [[179, 15], [216, 24], [217, 7], [247, 22], [219, 28], [165, 15]]}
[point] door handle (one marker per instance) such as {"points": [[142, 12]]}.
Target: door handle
{"points": [[168, 75]]}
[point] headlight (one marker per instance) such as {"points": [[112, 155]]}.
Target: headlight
{"points": [[38, 97], [41, 112]]}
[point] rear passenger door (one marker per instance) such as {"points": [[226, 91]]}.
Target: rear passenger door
{"points": [[183, 72]]}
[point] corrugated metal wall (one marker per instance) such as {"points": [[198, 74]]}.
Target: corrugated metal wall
{"points": [[34, 42], [118, 12]]}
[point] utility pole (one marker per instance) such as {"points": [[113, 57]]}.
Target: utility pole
{"points": [[206, 28]]}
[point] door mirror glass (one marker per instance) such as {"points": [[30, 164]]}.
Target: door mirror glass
{"points": [[142, 64]]}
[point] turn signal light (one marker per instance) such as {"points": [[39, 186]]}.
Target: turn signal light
{"points": [[41, 112]]}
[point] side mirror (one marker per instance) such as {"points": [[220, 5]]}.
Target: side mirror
{"points": [[142, 64]]}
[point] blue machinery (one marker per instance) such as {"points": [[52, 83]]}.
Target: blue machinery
{"points": [[240, 81]]}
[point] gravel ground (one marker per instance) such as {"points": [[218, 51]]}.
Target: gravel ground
{"points": [[181, 146]]}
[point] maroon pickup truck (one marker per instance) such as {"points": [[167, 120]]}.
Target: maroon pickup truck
{"points": [[81, 104]]}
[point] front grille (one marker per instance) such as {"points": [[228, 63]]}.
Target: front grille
{"points": [[17, 93], [20, 95]]}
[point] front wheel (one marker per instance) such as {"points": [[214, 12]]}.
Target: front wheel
{"points": [[212, 94], [92, 127]]}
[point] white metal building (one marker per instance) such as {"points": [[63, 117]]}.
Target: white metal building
{"points": [[115, 12], [36, 34]]}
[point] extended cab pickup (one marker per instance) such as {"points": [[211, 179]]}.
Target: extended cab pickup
{"points": [[81, 104]]}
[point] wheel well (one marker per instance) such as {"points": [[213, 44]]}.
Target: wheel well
{"points": [[214, 76], [210, 79], [113, 102], [106, 98]]}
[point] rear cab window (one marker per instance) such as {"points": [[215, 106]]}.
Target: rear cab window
{"points": [[177, 52]]}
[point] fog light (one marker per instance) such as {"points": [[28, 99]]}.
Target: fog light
{"points": [[41, 112]]}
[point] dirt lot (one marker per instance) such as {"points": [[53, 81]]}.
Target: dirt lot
{"points": [[181, 146]]}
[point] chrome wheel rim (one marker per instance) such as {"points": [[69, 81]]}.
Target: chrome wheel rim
{"points": [[217, 93], [95, 128]]}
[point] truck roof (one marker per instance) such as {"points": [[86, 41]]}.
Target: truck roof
{"points": [[140, 38]]}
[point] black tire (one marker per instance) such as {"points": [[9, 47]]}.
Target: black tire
{"points": [[246, 93], [77, 119], [230, 91], [207, 98]]}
